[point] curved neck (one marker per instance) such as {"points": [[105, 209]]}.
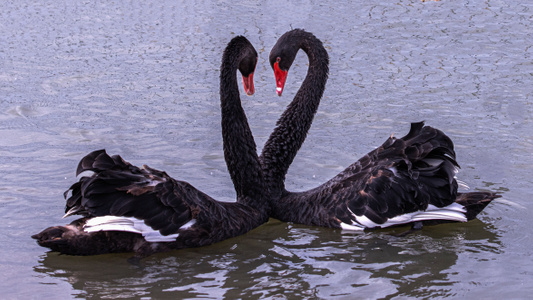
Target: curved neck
{"points": [[239, 146], [294, 123]]}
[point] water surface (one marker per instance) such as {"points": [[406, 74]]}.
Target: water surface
{"points": [[141, 80]]}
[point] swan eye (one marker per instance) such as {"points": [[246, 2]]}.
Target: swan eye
{"points": [[278, 59]]}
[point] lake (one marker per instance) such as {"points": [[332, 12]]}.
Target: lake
{"points": [[141, 79]]}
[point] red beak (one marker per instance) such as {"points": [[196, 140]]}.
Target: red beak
{"points": [[248, 83], [281, 77]]}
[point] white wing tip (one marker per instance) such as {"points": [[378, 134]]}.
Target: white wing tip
{"points": [[352, 227], [453, 212], [462, 185], [129, 224]]}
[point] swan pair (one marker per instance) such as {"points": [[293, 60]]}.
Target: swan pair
{"points": [[408, 180]]}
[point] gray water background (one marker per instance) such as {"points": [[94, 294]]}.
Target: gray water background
{"points": [[140, 78]]}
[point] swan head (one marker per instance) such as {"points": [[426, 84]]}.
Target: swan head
{"points": [[247, 64], [247, 69], [283, 54], [240, 53]]}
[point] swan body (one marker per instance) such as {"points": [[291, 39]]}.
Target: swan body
{"points": [[408, 180], [143, 210]]}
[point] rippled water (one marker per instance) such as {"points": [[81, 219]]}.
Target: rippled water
{"points": [[141, 80]]}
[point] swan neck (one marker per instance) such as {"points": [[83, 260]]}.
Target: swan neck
{"points": [[239, 146], [296, 120]]}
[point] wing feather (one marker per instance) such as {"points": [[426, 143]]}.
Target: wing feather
{"points": [[402, 176], [120, 189]]}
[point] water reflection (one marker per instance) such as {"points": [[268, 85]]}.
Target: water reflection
{"points": [[281, 260]]}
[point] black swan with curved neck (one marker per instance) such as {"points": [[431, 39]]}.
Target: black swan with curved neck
{"points": [[143, 210], [408, 180]]}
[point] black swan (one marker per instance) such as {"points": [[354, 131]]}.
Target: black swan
{"points": [[408, 180], [143, 210]]}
